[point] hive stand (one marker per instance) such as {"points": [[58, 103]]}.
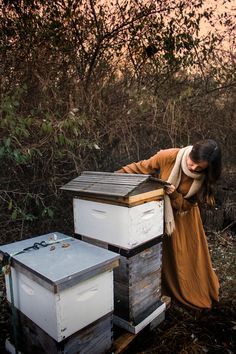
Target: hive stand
{"points": [[123, 338]]}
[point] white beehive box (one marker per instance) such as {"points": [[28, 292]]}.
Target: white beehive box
{"points": [[124, 210], [64, 289], [118, 225]]}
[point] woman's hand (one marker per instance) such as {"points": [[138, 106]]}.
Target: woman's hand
{"points": [[169, 189]]}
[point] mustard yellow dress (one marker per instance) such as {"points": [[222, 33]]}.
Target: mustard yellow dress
{"points": [[186, 269]]}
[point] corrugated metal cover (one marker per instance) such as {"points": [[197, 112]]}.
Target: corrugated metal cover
{"points": [[106, 183]]}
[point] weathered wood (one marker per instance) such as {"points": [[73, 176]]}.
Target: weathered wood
{"points": [[113, 196], [135, 266], [145, 263], [99, 188], [93, 339], [146, 186], [97, 182], [129, 202], [107, 185], [122, 342], [137, 281], [136, 301], [144, 196]]}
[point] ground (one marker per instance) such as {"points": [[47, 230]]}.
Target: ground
{"points": [[184, 331]]}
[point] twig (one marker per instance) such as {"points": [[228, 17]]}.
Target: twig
{"points": [[227, 227]]}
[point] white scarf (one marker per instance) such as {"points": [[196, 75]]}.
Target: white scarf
{"points": [[174, 178]]}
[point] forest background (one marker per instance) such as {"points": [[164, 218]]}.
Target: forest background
{"points": [[94, 85]]}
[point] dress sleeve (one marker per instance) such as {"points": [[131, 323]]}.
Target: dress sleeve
{"points": [[142, 167], [153, 164], [179, 203], [161, 161]]}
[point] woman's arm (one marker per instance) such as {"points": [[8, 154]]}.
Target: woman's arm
{"points": [[179, 203], [160, 161], [142, 167]]}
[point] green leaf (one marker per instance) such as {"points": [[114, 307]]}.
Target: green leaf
{"points": [[10, 205], [2, 151], [18, 157], [50, 213], [61, 139], [7, 142], [14, 215], [30, 217]]}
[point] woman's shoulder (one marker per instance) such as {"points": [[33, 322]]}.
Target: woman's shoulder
{"points": [[168, 154]]}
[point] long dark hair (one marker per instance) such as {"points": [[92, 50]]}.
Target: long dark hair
{"points": [[208, 150]]}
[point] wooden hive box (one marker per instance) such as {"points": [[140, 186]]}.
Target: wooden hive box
{"points": [[63, 285], [125, 210], [96, 338], [137, 284]]}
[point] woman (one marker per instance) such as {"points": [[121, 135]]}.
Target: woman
{"points": [[191, 171]]}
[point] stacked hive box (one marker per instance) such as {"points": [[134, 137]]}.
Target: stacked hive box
{"points": [[124, 213], [62, 289]]}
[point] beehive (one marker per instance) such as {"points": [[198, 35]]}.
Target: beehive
{"points": [[121, 209], [124, 213], [62, 287]]}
